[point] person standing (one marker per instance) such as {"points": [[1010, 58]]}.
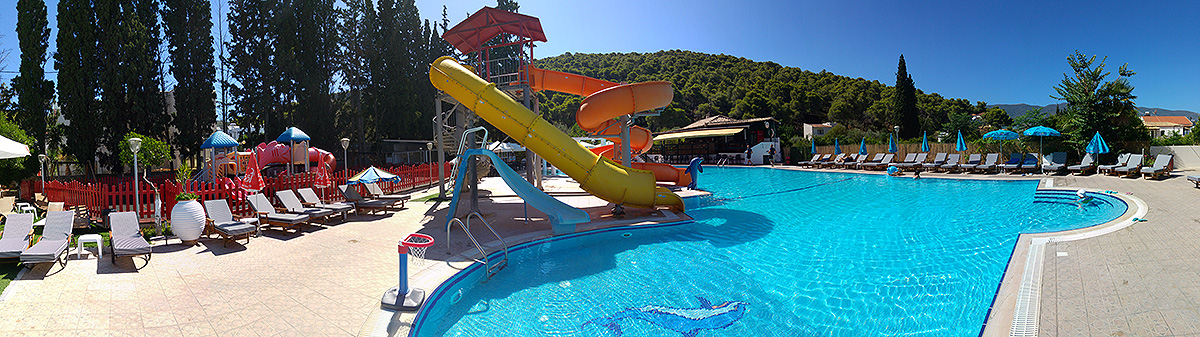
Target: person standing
{"points": [[771, 156], [749, 152]]}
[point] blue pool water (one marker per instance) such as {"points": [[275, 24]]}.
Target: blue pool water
{"points": [[773, 253]]}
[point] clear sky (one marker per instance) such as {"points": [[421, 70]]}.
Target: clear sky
{"points": [[994, 51]]}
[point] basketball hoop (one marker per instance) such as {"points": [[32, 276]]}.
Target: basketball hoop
{"points": [[414, 245]]}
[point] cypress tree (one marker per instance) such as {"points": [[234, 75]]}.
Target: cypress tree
{"points": [[907, 115], [251, 49], [188, 26], [77, 64], [34, 92]]}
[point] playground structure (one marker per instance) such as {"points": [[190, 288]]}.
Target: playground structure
{"points": [[224, 160], [499, 89]]}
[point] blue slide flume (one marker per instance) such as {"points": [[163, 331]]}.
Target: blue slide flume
{"points": [[562, 217]]}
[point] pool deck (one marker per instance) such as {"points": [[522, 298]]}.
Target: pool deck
{"points": [[1143, 279]]}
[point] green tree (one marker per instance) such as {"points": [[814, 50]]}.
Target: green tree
{"points": [[153, 152], [76, 60], [188, 28], [253, 87], [305, 48], [1031, 118], [997, 118], [906, 115], [964, 122], [130, 77], [1095, 105], [33, 90], [15, 169]]}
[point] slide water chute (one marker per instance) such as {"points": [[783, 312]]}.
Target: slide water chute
{"points": [[608, 100], [597, 175], [563, 217]]}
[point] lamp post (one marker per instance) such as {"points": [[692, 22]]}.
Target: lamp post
{"points": [[345, 145], [135, 144], [42, 172], [896, 132], [429, 148]]}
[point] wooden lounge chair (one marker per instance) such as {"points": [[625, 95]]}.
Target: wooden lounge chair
{"points": [[18, 230], [222, 222], [861, 164], [1194, 179], [1134, 166], [809, 162], [951, 162], [1013, 163], [882, 164], [1086, 164], [126, 239], [817, 159], [938, 160], [1122, 159], [1054, 162], [913, 165], [294, 206], [972, 160], [1030, 163], [52, 246], [361, 203], [268, 216], [989, 164], [1163, 164], [378, 194], [310, 198]]}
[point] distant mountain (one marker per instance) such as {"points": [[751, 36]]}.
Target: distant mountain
{"points": [[1015, 110]]}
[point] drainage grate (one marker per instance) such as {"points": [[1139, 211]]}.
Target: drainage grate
{"points": [[1025, 317]]}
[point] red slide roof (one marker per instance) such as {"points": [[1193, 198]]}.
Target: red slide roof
{"points": [[469, 35]]}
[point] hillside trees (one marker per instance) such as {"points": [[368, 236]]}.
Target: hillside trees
{"points": [[188, 28], [1095, 105]]}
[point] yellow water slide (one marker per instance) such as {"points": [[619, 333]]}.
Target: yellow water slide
{"points": [[597, 175]]}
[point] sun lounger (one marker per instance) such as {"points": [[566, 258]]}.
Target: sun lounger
{"points": [[1054, 162], [861, 163], [361, 203], [882, 164], [310, 198], [951, 162], [837, 160], [851, 160], [18, 230], [1122, 159], [938, 160], [222, 222], [378, 194], [1087, 164], [1013, 163], [989, 163], [268, 216], [294, 206], [1030, 163], [1194, 179], [1132, 167], [915, 163], [1163, 164], [52, 246], [908, 158], [127, 237], [972, 160], [809, 162]]}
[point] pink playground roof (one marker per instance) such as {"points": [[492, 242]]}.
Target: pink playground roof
{"points": [[469, 35]]}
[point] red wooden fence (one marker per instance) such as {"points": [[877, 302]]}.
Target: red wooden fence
{"points": [[119, 196]]}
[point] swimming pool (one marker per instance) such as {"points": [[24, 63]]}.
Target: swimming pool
{"points": [[773, 253]]}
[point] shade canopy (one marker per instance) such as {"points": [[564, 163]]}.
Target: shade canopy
{"points": [[960, 145], [372, 175], [468, 36], [862, 147], [814, 146], [1002, 135], [924, 142], [1042, 131], [292, 134], [892, 145], [11, 149], [219, 139], [1097, 145], [499, 147], [699, 133]]}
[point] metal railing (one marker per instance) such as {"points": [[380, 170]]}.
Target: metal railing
{"points": [[483, 254]]}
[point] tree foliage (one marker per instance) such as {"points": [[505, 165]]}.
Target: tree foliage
{"points": [[33, 90], [130, 75], [188, 30], [153, 152], [77, 63], [1095, 105], [906, 115]]}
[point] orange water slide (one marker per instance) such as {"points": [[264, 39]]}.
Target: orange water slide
{"points": [[608, 100]]}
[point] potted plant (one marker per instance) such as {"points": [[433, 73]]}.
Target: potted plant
{"points": [[187, 217]]}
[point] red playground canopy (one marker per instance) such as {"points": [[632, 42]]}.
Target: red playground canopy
{"points": [[469, 35]]}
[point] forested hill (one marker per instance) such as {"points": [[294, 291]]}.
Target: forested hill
{"points": [[707, 84]]}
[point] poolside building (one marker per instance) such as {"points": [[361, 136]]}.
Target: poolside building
{"points": [[815, 130], [714, 137], [1164, 126]]}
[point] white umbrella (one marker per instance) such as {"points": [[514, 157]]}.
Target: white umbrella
{"points": [[12, 149]]}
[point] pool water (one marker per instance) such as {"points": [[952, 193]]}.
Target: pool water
{"points": [[773, 253]]}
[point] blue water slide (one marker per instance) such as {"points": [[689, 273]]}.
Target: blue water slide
{"points": [[562, 216]]}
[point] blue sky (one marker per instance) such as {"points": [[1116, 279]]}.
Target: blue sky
{"points": [[998, 52]]}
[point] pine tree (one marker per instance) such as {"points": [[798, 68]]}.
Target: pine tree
{"points": [[907, 115], [308, 67], [33, 90], [251, 50], [130, 80], [188, 30], [76, 61], [357, 28]]}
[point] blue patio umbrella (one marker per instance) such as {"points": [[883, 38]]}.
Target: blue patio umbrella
{"points": [[1002, 135], [372, 175], [837, 149], [924, 142], [862, 147], [814, 146], [892, 145], [961, 145], [1041, 132], [1097, 145]]}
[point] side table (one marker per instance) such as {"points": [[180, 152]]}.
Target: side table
{"points": [[99, 240]]}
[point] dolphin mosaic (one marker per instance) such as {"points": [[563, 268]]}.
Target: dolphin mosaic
{"points": [[686, 321]]}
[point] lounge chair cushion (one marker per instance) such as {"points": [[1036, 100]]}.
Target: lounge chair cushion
{"points": [[233, 228], [44, 251], [12, 248], [287, 218], [124, 246]]}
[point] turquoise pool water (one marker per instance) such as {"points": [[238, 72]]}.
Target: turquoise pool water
{"points": [[773, 253]]}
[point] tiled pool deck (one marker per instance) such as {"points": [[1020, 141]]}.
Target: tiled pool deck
{"points": [[326, 281]]}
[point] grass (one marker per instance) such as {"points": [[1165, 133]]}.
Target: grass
{"points": [[426, 198], [8, 273]]}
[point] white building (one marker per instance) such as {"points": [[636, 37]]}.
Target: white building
{"points": [[813, 130], [1163, 126]]}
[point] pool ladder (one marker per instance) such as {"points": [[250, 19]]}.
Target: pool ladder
{"points": [[487, 263]]}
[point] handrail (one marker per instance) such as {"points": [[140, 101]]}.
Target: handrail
{"points": [[489, 227], [472, 237], [466, 227]]}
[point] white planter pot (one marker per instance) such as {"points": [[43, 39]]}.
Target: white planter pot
{"points": [[187, 220]]}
